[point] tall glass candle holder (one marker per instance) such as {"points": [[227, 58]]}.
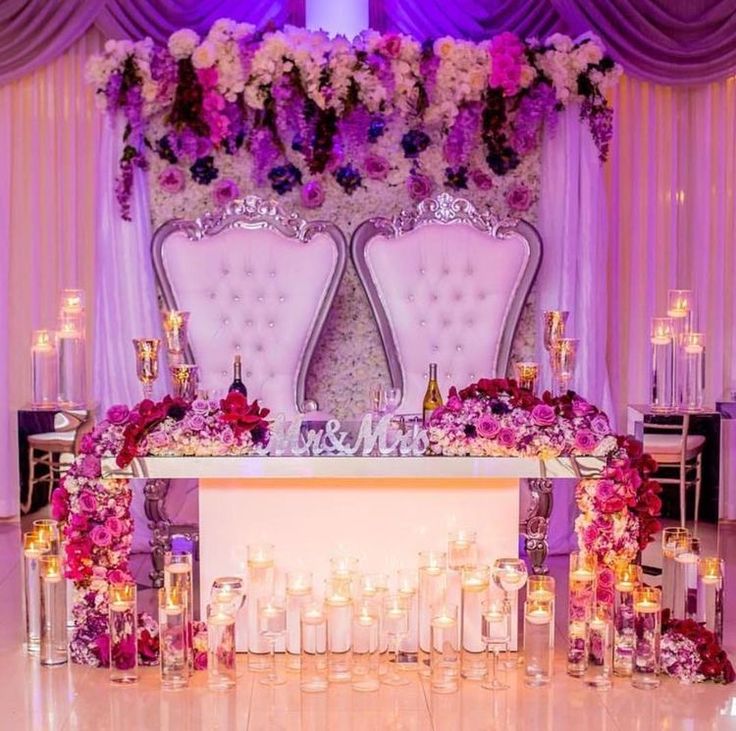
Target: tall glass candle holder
{"points": [[272, 625], [221, 669], [648, 625], [176, 326], [527, 374], [346, 569], [462, 549], [509, 575], [33, 549], [375, 587], [53, 645], [661, 380], [298, 593], [538, 649], [554, 324], [496, 633], [184, 380], [260, 586], [396, 623], [674, 541], [313, 666], [685, 604], [146, 363], [178, 578], [542, 589], [44, 369], [600, 644], [710, 594], [338, 602], [72, 351], [172, 632], [475, 581], [123, 625], [679, 310], [693, 371], [72, 306], [407, 585], [445, 659], [580, 607], [432, 587], [228, 590], [366, 619], [564, 359], [628, 578], [47, 531]]}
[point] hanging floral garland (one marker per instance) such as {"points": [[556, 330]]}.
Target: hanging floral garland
{"points": [[310, 116]]}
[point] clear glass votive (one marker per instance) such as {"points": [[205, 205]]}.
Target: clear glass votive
{"points": [[475, 581], [313, 666], [710, 594], [627, 578], [184, 380], [298, 593], [176, 326], [648, 625], [172, 632], [527, 374], [53, 645], [445, 649], [462, 549], [221, 670], [33, 549], [260, 586], [345, 569], [600, 646], [366, 620], [538, 650], [178, 577], [123, 623], [582, 576], [48, 532], [72, 349], [431, 593]]}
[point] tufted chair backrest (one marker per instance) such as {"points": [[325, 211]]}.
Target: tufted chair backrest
{"points": [[447, 284], [258, 283]]}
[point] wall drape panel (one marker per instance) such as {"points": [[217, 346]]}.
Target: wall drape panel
{"points": [[668, 41], [34, 32], [49, 131], [671, 181]]}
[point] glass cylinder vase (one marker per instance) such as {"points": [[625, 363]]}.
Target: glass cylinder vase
{"points": [[172, 632], [123, 626], [44, 369], [298, 593], [674, 541], [693, 371], [582, 576], [260, 586], [365, 633], [313, 665], [431, 591], [542, 589], [407, 587], [538, 649], [600, 646], [661, 378], [338, 603], [685, 605], [34, 548], [648, 628], [628, 578], [710, 594], [53, 643], [176, 326], [72, 351], [221, 669], [475, 582], [445, 658]]}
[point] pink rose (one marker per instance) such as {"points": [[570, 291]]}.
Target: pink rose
{"points": [[487, 427], [115, 526], [225, 191], [585, 440], [507, 438], [376, 167], [454, 403], [116, 576], [195, 422], [519, 198], [599, 424], [172, 179], [543, 415], [87, 445], [60, 504], [79, 522], [312, 194], [89, 467], [227, 436], [481, 180], [158, 439], [101, 536], [118, 414], [419, 187], [580, 407], [87, 502]]}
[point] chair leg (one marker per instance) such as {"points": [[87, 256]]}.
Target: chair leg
{"points": [[683, 490], [31, 477], [698, 483]]}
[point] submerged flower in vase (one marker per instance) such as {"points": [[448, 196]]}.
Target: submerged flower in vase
{"points": [[172, 179], [225, 191], [312, 194]]}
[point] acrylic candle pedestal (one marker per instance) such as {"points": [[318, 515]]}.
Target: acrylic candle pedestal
{"points": [[648, 627], [628, 578], [432, 587], [365, 634], [173, 627], [444, 662], [53, 642], [221, 670], [260, 586], [600, 647], [123, 627], [710, 594], [44, 369], [313, 665], [475, 581], [538, 649], [298, 593]]}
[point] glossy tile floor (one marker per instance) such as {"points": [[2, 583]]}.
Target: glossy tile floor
{"points": [[72, 697]]}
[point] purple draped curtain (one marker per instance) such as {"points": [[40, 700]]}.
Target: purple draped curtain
{"points": [[667, 41], [34, 32]]}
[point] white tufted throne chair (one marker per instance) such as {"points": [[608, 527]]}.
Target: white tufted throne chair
{"points": [[258, 282], [447, 284]]}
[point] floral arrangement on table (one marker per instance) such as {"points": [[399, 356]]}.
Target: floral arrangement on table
{"points": [[497, 418], [313, 117], [95, 509], [691, 653]]}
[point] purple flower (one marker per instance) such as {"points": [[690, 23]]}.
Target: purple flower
{"points": [[312, 194], [158, 439], [454, 403], [580, 407], [172, 179], [348, 178], [376, 167], [87, 445], [585, 440], [599, 424], [481, 180], [507, 438], [456, 178], [200, 406], [195, 422], [87, 501], [487, 426], [118, 414], [519, 198], [227, 436], [89, 467], [115, 526], [101, 536], [419, 187], [414, 142], [225, 191], [543, 415], [285, 178], [204, 171]]}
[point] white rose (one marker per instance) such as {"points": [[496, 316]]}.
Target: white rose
{"points": [[560, 42], [182, 43], [204, 55]]}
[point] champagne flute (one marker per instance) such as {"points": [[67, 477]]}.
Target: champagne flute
{"points": [[554, 327], [510, 575], [376, 400], [391, 399], [272, 625], [564, 357], [146, 363]]}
